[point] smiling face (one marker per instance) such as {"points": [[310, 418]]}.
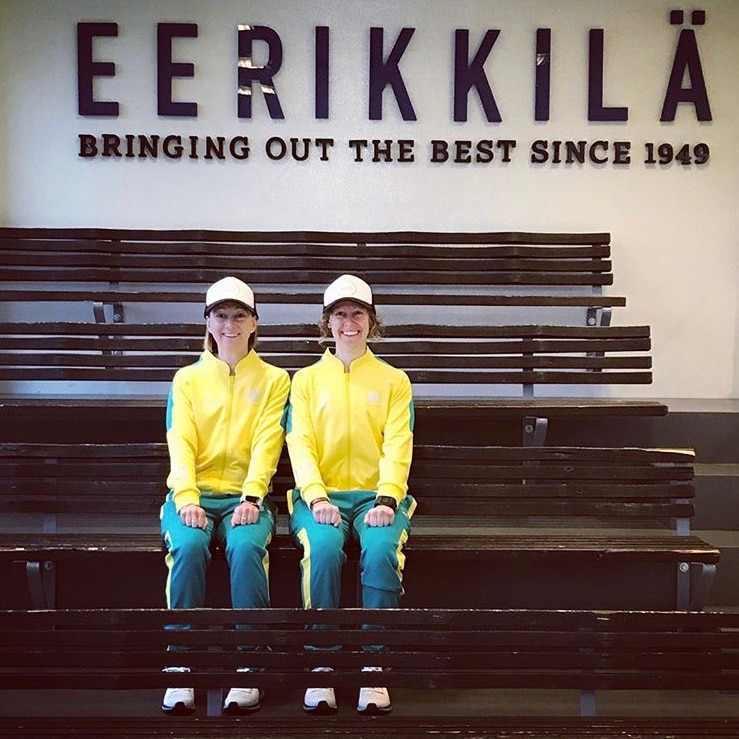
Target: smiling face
{"points": [[349, 323], [231, 325]]}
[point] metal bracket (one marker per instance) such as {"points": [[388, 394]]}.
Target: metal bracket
{"points": [[588, 706], [587, 695], [535, 431], [108, 313], [41, 578], [215, 701], [702, 587], [682, 597], [598, 316]]}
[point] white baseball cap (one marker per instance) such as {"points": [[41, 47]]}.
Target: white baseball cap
{"points": [[348, 287], [230, 288]]}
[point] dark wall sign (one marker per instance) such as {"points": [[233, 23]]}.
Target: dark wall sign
{"points": [[685, 90], [402, 151]]}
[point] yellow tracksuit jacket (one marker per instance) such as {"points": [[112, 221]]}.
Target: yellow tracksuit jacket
{"points": [[350, 430], [225, 432]]}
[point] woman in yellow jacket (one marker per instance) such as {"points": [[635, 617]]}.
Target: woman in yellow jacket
{"points": [[350, 440], [225, 435]]}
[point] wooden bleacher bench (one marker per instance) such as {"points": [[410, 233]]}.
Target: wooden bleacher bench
{"points": [[90, 311], [429, 354], [483, 509], [300, 260], [129, 419], [444, 650], [544, 320]]}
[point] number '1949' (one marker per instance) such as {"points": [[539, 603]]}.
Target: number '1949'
{"points": [[686, 154]]}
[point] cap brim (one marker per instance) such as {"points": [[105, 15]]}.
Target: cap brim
{"points": [[209, 308], [350, 300]]}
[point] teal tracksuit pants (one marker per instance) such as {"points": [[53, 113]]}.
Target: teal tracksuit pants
{"points": [[381, 559], [188, 553]]}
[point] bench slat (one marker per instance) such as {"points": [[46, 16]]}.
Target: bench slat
{"points": [[105, 374], [294, 361], [437, 648], [435, 546], [274, 262], [438, 354], [330, 237], [422, 269], [291, 297], [408, 727], [145, 450], [309, 331], [373, 276], [140, 410]]}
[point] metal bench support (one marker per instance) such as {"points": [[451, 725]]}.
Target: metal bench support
{"points": [[535, 431], [588, 705], [702, 586], [41, 578], [215, 701]]}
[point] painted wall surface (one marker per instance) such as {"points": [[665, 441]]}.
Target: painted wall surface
{"points": [[675, 226]]}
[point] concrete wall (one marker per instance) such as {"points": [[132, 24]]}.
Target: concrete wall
{"points": [[675, 227]]}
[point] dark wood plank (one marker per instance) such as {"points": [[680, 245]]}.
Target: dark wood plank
{"points": [[310, 258], [253, 276], [496, 482], [137, 408], [261, 726], [428, 353], [379, 237], [409, 268], [434, 648], [434, 546], [294, 297]]}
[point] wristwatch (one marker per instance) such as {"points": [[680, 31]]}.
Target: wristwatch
{"points": [[386, 500]]}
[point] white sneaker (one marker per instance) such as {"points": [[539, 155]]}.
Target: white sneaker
{"points": [[178, 701], [320, 700], [374, 700], [243, 700]]}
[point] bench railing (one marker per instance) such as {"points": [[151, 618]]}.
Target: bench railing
{"points": [[425, 649], [476, 503], [458, 355], [541, 323]]}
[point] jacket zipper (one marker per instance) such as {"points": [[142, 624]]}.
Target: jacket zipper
{"points": [[347, 430], [225, 452]]}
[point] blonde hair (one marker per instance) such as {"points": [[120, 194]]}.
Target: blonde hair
{"points": [[376, 327]]}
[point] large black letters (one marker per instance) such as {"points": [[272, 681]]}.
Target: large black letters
{"points": [[686, 57], [386, 72], [87, 69], [472, 74], [264, 75], [167, 69], [596, 109]]}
